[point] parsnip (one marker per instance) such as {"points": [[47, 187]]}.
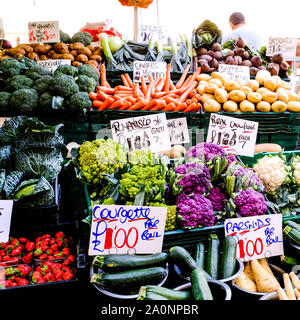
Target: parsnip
{"points": [[244, 282], [295, 280], [248, 271], [297, 293], [264, 263], [288, 287], [281, 294]]}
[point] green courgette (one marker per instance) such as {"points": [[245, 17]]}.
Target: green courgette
{"points": [[293, 234], [200, 286], [130, 279], [183, 259], [292, 224], [153, 296], [170, 294], [228, 260], [200, 255], [129, 261], [288, 260], [213, 254]]}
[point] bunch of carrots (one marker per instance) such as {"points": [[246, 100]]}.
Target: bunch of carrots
{"points": [[160, 94]]}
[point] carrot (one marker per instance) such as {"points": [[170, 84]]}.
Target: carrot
{"points": [[288, 287], [192, 93], [167, 78], [124, 92], [103, 75], [107, 84], [107, 103], [93, 95], [144, 85], [183, 76], [197, 97], [192, 108], [138, 105], [124, 95], [160, 85], [131, 99], [149, 91], [123, 88], [106, 90], [156, 81], [295, 280], [128, 79], [181, 107], [126, 105], [117, 104], [170, 99], [136, 93], [161, 104], [169, 107], [171, 86], [188, 101], [148, 106], [101, 95], [116, 97], [124, 80], [186, 83], [187, 91], [97, 103]]}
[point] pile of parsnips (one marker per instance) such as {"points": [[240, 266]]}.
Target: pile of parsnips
{"points": [[265, 93]]}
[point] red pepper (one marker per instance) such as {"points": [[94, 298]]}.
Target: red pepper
{"points": [[2, 245], [6, 258], [46, 236], [51, 258], [16, 252], [49, 277], [27, 258], [59, 242], [24, 270], [48, 264], [44, 248], [38, 252], [59, 235], [23, 240], [22, 282], [49, 252], [7, 283], [9, 248], [38, 239], [58, 274], [29, 246], [14, 284], [36, 276], [66, 251], [41, 281], [54, 246], [13, 260], [43, 256], [71, 257], [56, 266], [68, 275], [15, 242]]}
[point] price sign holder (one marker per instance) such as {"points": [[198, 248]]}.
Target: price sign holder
{"points": [[146, 31], [147, 68], [178, 130], [284, 45], [6, 207], [231, 72], [53, 64], [121, 229], [257, 237], [43, 31], [236, 136]]}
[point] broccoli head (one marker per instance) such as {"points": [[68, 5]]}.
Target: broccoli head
{"points": [[4, 99], [10, 67], [42, 84], [19, 81], [37, 71], [79, 101], [24, 100], [83, 37], [63, 86], [86, 84], [66, 69], [87, 70], [45, 101], [64, 37], [28, 63]]}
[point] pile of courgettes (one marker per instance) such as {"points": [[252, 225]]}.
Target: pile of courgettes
{"points": [[292, 230]]}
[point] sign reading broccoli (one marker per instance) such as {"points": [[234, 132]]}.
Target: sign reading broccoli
{"points": [[5, 218]]}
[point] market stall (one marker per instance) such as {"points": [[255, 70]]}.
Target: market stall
{"points": [[154, 170]]}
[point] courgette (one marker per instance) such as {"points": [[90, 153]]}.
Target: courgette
{"points": [[153, 296], [213, 254], [288, 260], [129, 261], [200, 255], [130, 279], [183, 259], [228, 260], [293, 234], [200, 286], [292, 224], [170, 294]]}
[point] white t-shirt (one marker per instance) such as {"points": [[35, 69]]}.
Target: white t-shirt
{"points": [[250, 37]]}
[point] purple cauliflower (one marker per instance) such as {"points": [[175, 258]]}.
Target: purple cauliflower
{"points": [[250, 203], [195, 211], [206, 151], [231, 158], [217, 198], [192, 178]]}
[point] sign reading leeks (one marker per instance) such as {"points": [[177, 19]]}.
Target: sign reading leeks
{"points": [[257, 237], [120, 229], [236, 136], [43, 31], [5, 219]]}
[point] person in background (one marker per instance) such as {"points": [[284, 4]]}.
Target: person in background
{"points": [[239, 29]]}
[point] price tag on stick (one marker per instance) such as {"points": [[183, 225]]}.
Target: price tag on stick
{"points": [[236, 136], [43, 31], [6, 207], [147, 68], [121, 229], [257, 237]]}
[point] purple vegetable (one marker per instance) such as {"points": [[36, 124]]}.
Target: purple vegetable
{"points": [[217, 198], [231, 158], [250, 203], [205, 151]]}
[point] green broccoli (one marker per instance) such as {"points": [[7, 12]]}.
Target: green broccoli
{"points": [[28, 63], [63, 86], [83, 37], [66, 69], [64, 37], [86, 83], [4, 99], [10, 67], [24, 100], [42, 84], [45, 101], [79, 101], [19, 81], [87, 70], [37, 71]]}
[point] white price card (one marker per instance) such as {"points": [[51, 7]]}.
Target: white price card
{"points": [[178, 130], [284, 45], [257, 237], [53, 64], [2, 120], [43, 31], [147, 68], [232, 72], [2, 34], [146, 31], [127, 229], [236, 136], [146, 132], [6, 207]]}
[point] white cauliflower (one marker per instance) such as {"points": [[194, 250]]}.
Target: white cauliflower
{"points": [[272, 171], [295, 164]]}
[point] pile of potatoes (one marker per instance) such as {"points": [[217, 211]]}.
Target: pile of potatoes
{"points": [[77, 52], [265, 93]]}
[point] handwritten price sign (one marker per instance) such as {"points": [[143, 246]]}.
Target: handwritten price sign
{"points": [[147, 68], [5, 219], [231, 72], [236, 136], [146, 31], [53, 64], [43, 31], [286, 46], [257, 237], [119, 229], [178, 130]]}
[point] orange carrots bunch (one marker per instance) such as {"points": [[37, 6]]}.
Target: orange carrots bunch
{"points": [[158, 95]]}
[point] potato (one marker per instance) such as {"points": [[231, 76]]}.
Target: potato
{"points": [[98, 52], [76, 63], [270, 84], [18, 55], [32, 55], [263, 106], [262, 75], [221, 95], [246, 89], [53, 55], [286, 85], [43, 48], [293, 106], [206, 96], [43, 57], [203, 82], [211, 105], [67, 56], [262, 90], [93, 62], [270, 96], [92, 48], [201, 89], [74, 53], [85, 51], [210, 88], [232, 85], [14, 51], [278, 106], [61, 47], [96, 57], [219, 76], [293, 96], [82, 58], [77, 45], [253, 84], [254, 97], [26, 47], [217, 82], [230, 106], [277, 79], [247, 106], [282, 95], [203, 76], [237, 95]]}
